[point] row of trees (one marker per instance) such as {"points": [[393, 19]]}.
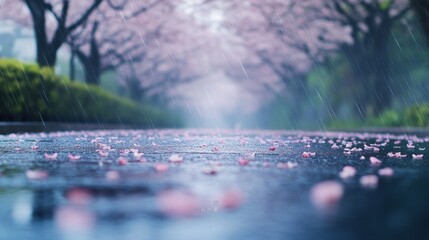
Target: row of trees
{"points": [[312, 32], [134, 38], [152, 44]]}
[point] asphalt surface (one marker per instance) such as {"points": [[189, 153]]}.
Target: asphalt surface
{"points": [[208, 184]]}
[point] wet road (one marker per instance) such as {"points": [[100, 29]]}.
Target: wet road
{"points": [[197, 184]]}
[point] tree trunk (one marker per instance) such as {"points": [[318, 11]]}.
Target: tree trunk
{"points": [[370, 62], [91, 66], [72, 65], [46, 56], [92, 69], [421, 8]]}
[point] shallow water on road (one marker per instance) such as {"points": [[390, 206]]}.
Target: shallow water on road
{"points": [[229, 185]]}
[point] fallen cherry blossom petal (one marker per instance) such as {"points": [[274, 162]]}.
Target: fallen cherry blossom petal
{"points": [[386, 172], [138, 155], [272, 148], [175, 158], [335, 146], [52, 156], [369, 181], [243, 161], [134, 150], [362, 158], [73, 157], [122, 161], [112, 175], [347, 172], [326, 194], [79, 196], [124, 152], [36, 174], [375, 161], [417, 156], [103, 153], [73, 219], [160, 167], [305, 154], [178, 204], [231, 198]]}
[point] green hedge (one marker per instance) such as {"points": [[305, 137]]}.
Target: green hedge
{"points": [[29, 93], [417, 115], [414, 116]]}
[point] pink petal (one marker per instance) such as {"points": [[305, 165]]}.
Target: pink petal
{"points": [[243, 161], [73, 157], [138, 155], [74, 219], [175, 158], [103, 153], [178, 204], [122, 161], [272, 148], [335, 146], [305, 154], [79, 196], [375, 161], [231, 198], [347, 172], [326, 194], [124, 152], [134, 150], [369, 181], [36, 174], [160, 167], [417, 156], [52, 156], [386, 172], [112, 175]]}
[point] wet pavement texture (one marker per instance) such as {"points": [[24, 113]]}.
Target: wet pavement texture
{"points": [[207, 184]]}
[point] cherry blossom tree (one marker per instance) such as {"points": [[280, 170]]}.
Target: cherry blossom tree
{"points": [[293, 36], [53, 21], [111, 38], [371, 23]]}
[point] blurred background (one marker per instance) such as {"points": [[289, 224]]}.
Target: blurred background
{"points": [[294, 64]]}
